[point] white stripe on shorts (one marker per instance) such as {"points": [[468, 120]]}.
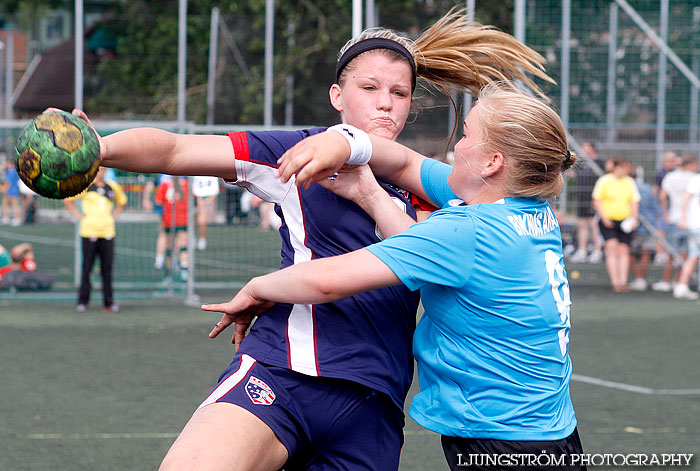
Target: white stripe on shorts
{"points": [[231, 382]]}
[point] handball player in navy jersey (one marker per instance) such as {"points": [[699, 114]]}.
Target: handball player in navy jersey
{"points": [[323, 386]]}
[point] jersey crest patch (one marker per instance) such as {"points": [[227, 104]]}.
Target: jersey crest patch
{"points": [[259, 392]]}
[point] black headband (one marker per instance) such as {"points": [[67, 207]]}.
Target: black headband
{"points": [[374, 43]]}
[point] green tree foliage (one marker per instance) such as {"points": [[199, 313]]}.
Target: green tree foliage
{"points": [[26, 13], [26, 7], [142, 79]]}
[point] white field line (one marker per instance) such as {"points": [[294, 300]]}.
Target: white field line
{"points": [[633, 388]]}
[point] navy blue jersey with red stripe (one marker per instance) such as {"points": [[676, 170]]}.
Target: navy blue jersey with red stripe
{"points": [[364, 338]]}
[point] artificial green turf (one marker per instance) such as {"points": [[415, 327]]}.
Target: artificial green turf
{"points": [[97, 391]]}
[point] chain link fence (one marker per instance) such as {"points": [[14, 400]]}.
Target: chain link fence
{"points": [[627, 83]]}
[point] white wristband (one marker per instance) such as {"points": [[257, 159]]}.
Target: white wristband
{"points": [[360, 143]]}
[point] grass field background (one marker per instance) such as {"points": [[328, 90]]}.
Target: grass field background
{"points": [[98, 391]]}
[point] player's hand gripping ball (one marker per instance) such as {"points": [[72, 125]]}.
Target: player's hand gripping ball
{"points": [[57, 155]]}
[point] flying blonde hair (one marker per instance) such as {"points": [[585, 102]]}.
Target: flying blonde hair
{"points": [[462, 55]]}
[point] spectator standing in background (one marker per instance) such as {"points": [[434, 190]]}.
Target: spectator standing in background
{"points": [[642, 240], [586, 223], [149, 205], [101, 203], [11, 197], [670, 162], [671, 197], [233, 207], [28, 199], [615, 199], [689, 221], [172, 196], [205, 190]]}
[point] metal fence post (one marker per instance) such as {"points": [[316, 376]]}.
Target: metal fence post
{"points": [[612, 64], [190, 296], [661, 90], [565, 81], [213, 54]]}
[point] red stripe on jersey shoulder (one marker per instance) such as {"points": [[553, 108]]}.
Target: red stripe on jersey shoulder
{"points": [[240, 144], [421, 204], [241, 150]]}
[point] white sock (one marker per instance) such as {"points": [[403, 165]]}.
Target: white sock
{"points": [[160, 259]]}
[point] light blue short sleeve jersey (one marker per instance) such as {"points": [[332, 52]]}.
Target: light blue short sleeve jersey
{"points": [[492, 346], [436, 173]]}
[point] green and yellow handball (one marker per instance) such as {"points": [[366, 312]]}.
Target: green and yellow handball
{"points": [[57, 155]]}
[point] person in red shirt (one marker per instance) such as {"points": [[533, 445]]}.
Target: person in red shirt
{"points": [[172, 196]]}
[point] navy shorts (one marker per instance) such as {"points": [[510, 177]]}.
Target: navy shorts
{"points": [[325, 423]]}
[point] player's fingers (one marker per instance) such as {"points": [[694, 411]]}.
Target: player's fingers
{"points": [[283, 172], [81, 114], [291, 162], [312, 173], [239, 333], [220, 326], [291, 153], [225, 321], [221, 307]]}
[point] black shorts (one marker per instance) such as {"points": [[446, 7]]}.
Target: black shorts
{"points": [[615, 232], [169, 229], [486, 454]]}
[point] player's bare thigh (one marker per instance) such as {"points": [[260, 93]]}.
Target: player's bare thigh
{"points": [[224, 436]]}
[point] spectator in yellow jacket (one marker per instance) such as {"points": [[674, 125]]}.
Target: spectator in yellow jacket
{"points": [[101, 203]]}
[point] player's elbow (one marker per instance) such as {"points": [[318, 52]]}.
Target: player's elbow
{"points": [[328, 285]]}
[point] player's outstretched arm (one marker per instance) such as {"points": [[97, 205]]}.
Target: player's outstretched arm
{"points": [[320, 156], [318, 281], [151, 150]]}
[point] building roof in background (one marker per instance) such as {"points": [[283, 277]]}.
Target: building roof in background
{"points": [[51, 82]]}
